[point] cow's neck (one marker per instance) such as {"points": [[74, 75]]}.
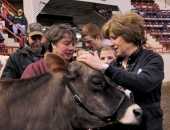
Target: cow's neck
{"points": [[39, 101]]}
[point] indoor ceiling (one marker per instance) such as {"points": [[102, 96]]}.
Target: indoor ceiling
{"points": [[72, 7], [81, 12]]}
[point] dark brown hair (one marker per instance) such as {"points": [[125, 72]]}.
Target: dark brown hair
{"points": [[57, 32]]}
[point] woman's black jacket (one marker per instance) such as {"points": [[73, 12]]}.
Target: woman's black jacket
{"points": [[144, 80]]}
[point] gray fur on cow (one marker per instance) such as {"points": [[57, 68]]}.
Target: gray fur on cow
{"points": [[45, 102]]}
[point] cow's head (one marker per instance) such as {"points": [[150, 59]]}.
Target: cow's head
{"points": [[96, 92]]}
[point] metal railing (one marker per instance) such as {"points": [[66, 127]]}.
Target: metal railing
{"points": [[140, 4], [7, 50], [156, 49], [21, 38]]}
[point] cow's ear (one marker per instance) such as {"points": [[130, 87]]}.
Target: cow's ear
{"points": [[56, 64]]}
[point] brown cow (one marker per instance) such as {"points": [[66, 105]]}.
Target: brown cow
{"points": [[46, 102]]}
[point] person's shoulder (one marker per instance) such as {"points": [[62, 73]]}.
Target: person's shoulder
{"points": [[23, 16], [37, 63], [23, 50], [153, 56], [19, 52], [40, 61], [150, 53]]}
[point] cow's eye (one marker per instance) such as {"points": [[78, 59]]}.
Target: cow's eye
{"points": [[97, 81]]}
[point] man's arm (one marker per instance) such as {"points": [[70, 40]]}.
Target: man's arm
{"points": [[25, 22], [10, 70]]}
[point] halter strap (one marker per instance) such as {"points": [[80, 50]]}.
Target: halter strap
{"points": [[81, 103]]}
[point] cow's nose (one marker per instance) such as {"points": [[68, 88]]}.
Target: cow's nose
{"points": [[138, 113]]}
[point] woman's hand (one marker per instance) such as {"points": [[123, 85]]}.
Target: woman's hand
{"points": [[91, 60]]}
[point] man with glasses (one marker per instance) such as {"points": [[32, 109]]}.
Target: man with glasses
{"points": [[25, 55]]}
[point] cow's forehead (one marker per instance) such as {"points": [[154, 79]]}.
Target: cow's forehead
{"points": [[83, 66]]}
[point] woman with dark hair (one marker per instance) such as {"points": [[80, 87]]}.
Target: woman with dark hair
{"points": [[60, 39]]}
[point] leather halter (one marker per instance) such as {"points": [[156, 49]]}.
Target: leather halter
{"points": [[81, 103]]}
